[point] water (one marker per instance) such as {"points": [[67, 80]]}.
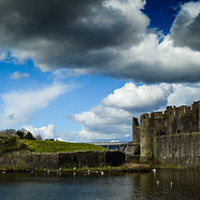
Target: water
{"points": [[141, 186]]}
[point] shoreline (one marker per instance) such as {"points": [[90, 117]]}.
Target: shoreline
{"points": [[109, 170], [126, 168]]}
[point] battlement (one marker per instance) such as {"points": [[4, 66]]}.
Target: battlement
{"points": [[156, 114], [169, 112], [173, 120], [144, 116]]}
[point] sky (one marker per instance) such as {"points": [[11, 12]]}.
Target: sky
{"points": [[79, 71]]}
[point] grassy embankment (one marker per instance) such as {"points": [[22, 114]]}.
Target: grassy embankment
{"points": [[57, 146], [125, 168]]}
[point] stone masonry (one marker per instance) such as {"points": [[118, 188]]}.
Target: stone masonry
{"points": [[79, 159], [174, 121]]}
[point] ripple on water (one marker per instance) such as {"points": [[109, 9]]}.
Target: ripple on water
{"points": [[136, 186]]}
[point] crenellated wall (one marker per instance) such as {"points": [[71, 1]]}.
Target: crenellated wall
{"points": [[173, 121]]}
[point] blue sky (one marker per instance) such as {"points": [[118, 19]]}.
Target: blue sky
{"points": [[80, 71]]}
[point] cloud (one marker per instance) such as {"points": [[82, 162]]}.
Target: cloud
{"points": [[184, 94], [47, 132], [110, 37], [152, 62], [111, 120], [145, 97], [21, 106], [103, 123], [65, 33], [3, 55], [17, 75], [185, 30]]}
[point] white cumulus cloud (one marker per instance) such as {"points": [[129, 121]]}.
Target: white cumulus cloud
{"points": [[46, 132], [103, 123], [184, 94], [145, 97]]}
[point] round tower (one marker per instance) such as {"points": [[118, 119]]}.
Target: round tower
{"points": [[146, 142]]}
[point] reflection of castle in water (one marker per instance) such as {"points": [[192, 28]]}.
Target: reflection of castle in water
{"points": [[172, 136], [185, 184]]}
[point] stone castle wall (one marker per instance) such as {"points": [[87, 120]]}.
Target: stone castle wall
{"points": [[173, 121], [29, 160], [182, 149]]}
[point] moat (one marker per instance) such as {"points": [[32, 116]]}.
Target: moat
{"points": [[173, 184]]}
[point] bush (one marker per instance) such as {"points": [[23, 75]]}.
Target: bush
{"points": [[51, 139], [8, 144], [7, 133]]}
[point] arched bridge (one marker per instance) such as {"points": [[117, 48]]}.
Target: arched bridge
{"points": [[128, 148]]}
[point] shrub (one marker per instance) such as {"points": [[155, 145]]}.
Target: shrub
{"points": [[7, 133], [51, 139], [8, 144]]}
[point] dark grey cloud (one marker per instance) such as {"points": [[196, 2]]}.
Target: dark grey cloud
{"points": [[158, 72], [62, 33], [97, 36], [186, 31]]}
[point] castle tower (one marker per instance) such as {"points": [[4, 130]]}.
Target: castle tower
{"points": [[135, 130], [146, 140], [196, 116]]}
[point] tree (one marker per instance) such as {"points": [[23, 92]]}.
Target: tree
{"points": [[29, 136], [39, 137], [20, 134]]}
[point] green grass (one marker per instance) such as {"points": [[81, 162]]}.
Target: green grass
{"points": [[168, 166], [126, 168], [57, 146]]}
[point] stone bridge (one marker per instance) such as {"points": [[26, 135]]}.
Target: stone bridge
{"points": [[128, 148]]}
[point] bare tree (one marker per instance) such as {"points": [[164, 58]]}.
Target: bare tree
{"points": [[39, 137]]}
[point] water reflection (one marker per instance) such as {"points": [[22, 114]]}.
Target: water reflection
{"points": [[173, 184]]}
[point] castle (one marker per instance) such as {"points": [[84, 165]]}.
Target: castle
{"points": [[169, 136]]}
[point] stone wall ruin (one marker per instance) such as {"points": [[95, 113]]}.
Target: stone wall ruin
{"points": [[160, 126]]}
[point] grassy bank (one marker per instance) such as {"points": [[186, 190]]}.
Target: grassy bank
{"points": [[126, 168], [166, 166], [57, 146]]}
